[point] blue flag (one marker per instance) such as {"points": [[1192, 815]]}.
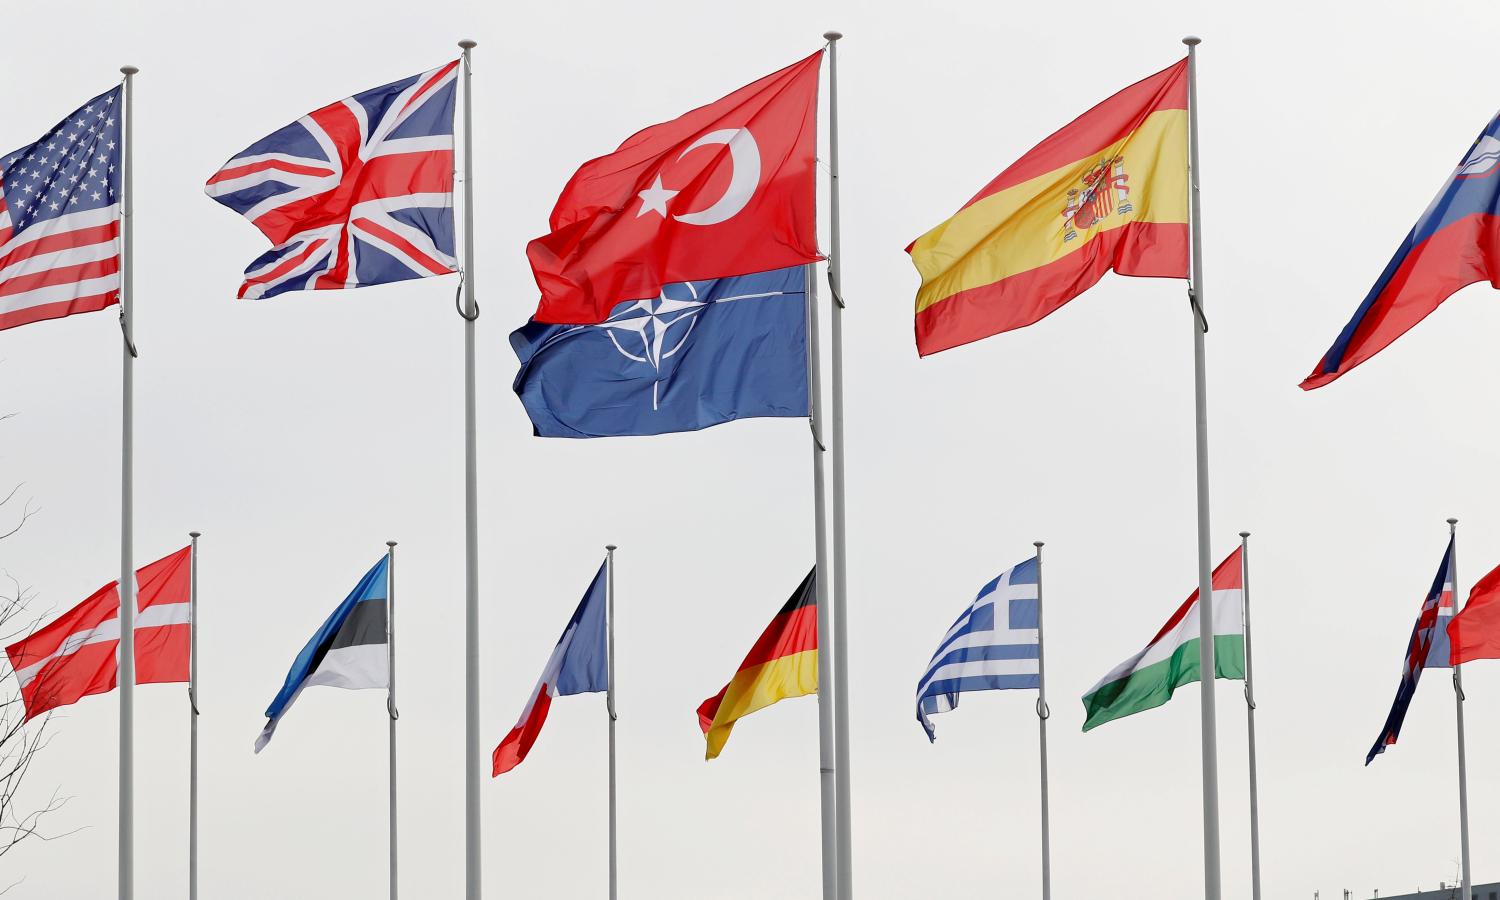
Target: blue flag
{"points": [[702, 353]]}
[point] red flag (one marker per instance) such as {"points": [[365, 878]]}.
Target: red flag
{"points": [[75, 655], [727, 189], [1475, 632]]}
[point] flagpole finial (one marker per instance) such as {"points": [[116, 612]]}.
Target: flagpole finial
{"points": [[1452, 521], [390, 543], [1038, 544], [611, 547], [129, 70], [832, 35], [1244, 534], [195, 534], [468, 44], [1192, 40]]}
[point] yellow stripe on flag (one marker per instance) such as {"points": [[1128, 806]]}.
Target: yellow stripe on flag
{"points": [[1024, 227], [760, 686]]}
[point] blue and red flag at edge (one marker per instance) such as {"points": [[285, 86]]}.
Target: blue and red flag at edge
{"points": [[1428, 648], [1454, 244]]}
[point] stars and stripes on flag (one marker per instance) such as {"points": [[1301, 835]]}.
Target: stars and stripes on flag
{"points": [[1148, 679], [357, 193], [1428, 647], [994, 646], [349, 650], [579, 664], [782, 664], [77, 653], [60, 217]]}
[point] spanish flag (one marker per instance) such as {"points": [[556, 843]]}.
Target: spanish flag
{"points": [[782, 664], [1108, 191]]}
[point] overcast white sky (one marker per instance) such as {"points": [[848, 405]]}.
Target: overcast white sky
{"points": [[299, 434]]}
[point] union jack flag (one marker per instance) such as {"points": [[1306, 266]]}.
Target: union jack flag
{"points": [[60, 218], [357, 193], [1428, 648]]}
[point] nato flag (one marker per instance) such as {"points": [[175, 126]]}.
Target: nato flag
{"points": [[702, 353]]}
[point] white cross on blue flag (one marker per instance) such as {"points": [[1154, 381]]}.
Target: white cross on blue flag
{"points": [[992, 647]]}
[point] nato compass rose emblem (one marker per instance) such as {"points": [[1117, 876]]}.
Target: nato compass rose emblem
{"points": [[1105, 191], [651, 331]]}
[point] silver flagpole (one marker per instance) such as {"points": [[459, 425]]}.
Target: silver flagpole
{"points": [[472, 847], [193, 717], [1211, 889], [390, 696], [609, 620], [840, 666], [1250, 718], [1042, 715], [127, 506], [827, 787], [1463, 764]]}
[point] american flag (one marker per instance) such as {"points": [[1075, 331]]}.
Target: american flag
{"points": [[1427, 649], [60, 218], [357, 193]]}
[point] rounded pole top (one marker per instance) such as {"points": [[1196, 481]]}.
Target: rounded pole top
{"points": [[611, 547], [1452, 521], [390, 543], [1038, 544], [1244, 534], [832, 35], [195, 534], [129, 70], [468, 44], [1192, 40]]}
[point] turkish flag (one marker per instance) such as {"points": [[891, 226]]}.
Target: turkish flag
{"points": [[1475, 632], [727, 189]]}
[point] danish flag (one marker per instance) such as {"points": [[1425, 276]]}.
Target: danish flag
{"points": [[357, 193], [77, 654]]}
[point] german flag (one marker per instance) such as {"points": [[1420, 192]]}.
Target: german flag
{"points": [[1108, 191], [782, 664]]}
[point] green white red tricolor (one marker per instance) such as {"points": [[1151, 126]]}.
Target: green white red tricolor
{"points": [[1147, 679]]}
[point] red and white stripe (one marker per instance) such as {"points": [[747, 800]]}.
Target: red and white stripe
{"points": [[58, 267]]}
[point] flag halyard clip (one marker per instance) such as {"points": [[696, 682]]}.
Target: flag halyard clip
{"points": [[1458, 687], [125, 333], [390, 709], [1043, 711], [1249, 698], [839, 298], [1197, 310], [458, 299]]}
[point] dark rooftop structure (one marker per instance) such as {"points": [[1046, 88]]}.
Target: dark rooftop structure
{"points": [[1489, 891]]}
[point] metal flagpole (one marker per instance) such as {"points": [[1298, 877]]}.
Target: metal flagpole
{"points": [[1211, 889], [827, 786], [472, 860], [127, 506], [840, 665], [193, 717], [609, 697], [390, 695], [1043, 713], [1250, 718], [1463, 764]]}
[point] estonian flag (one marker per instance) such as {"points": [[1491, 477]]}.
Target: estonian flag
{"points": [[349, 651]]}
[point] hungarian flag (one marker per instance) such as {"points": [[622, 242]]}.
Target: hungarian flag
{"points": [[76, 654], [727, 189], [1147, 679], [1475, 632], [782, 664], [1108, 191]]}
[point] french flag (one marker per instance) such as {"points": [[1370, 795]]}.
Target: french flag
{"points": [[579, 665]]}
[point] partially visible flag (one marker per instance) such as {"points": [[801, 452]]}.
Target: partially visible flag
{"points": [[1475, 632], [1455, 243], [782, 664], [349, 650], [701, 354], [727, 189], [579, 664], [994, 646], [357, 193], [1427, 648], [1148, 679], [1108, 191], [60, 217], [77, 653]]}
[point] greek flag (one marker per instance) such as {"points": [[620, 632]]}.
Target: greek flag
{"points": [[992, 647]]}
